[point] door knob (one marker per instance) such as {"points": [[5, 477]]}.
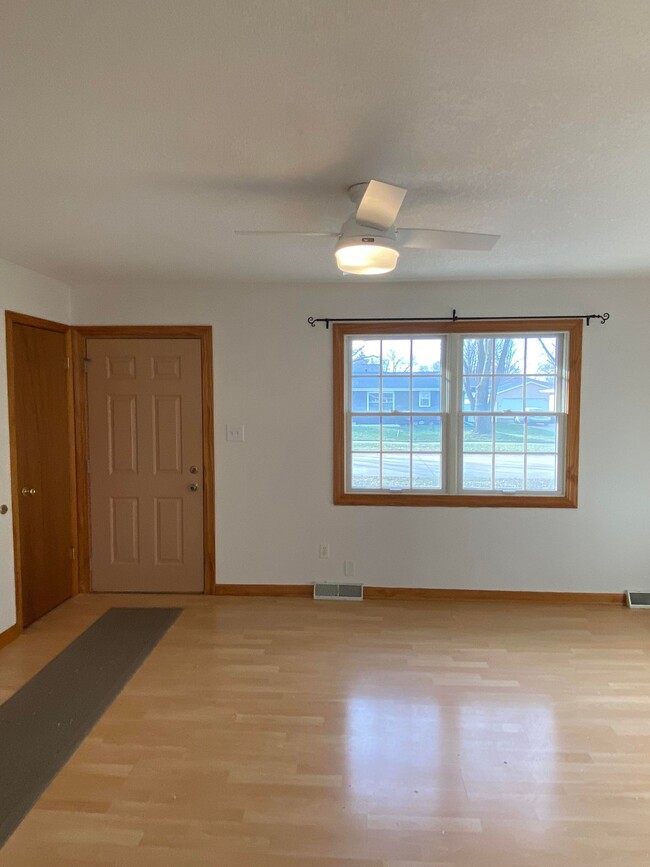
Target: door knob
{"points": [[194, 469], [28, 492], [194, 487]]}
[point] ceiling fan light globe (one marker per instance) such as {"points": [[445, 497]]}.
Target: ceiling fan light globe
{"points": [[365, 256]]}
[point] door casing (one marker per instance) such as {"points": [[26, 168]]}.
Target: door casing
{"points": [[78, 428]]}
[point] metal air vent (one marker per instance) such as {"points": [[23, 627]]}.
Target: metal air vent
{"points": [[637, 599], [349, 592]]}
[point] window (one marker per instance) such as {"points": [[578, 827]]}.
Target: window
{"points": [[457, 414]]}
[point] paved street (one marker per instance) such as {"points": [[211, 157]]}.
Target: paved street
{"points": [[477, 469]]}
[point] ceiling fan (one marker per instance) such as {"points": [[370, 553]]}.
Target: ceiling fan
{"points": [[370, 243]]}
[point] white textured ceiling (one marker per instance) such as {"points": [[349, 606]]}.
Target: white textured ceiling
{"points": [[136, 135]]}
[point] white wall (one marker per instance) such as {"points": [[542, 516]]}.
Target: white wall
{"points": [[25, 292], [273, 373]]}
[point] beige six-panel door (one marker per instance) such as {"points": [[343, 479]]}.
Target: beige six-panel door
{"points": [[145, 466]]}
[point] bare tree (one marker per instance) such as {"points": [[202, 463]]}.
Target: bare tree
{"points": [[392, 363], [359, 355], [478, 383]]}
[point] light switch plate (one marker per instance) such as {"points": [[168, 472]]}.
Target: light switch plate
{"points": [[235, 433]]}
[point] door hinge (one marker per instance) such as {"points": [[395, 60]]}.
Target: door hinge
{"points": [[66, 363], [73, 553]]}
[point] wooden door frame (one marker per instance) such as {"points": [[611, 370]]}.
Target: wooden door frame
{"points": [[11, 320], [81, 333]]}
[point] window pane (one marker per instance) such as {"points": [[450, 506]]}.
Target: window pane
{"points": [[396, 471], [362, 386], [541, 355], [426, 393], [426, 355], [509, 472], [365, 356], [541, 433], [477, 393], [397, 393], [427, 433], [540, 393], [509, 435], [396, 434], [509, 355], [477, 472], [478, 355], [541, 473], [365, 470], [396, 356], [365, 433], [509, 394], [426, 471], [477, 433]]}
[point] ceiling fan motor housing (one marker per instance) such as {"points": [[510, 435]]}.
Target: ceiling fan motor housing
{"points": [[356, 234]]}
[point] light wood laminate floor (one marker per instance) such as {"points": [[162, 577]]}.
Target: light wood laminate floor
{"points": [[273, 732]]}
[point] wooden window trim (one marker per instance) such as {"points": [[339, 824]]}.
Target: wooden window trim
{"points": [[569, 500]]}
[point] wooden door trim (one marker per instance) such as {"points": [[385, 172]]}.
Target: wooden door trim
{"points": [[11, 320], [80, 334]]}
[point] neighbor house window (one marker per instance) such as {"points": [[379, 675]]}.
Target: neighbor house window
{"points": [[459, 414], [385, 400]]}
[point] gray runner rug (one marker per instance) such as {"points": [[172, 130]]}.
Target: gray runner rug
{"points": [[43, 723]]}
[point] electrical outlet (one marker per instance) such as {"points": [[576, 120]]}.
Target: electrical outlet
{"points": [[235, 433], [348, 568], [324, 552]]}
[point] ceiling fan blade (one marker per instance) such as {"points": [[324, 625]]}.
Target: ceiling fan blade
{"points": [[380, 205], [439, 239], [295, 234]]}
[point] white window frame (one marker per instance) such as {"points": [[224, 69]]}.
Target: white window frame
{"points": [[455, 344]]}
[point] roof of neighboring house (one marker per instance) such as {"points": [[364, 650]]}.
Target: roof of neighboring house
{"points": [[543, 386]]}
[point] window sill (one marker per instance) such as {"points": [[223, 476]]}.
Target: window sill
{"points": [[507, 501]]}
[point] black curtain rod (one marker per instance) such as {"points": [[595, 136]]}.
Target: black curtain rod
{"points": [[313, 321]]}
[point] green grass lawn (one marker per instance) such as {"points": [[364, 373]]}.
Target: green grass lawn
{"points": [[509, 437], [396, 437], [427, 437]]}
